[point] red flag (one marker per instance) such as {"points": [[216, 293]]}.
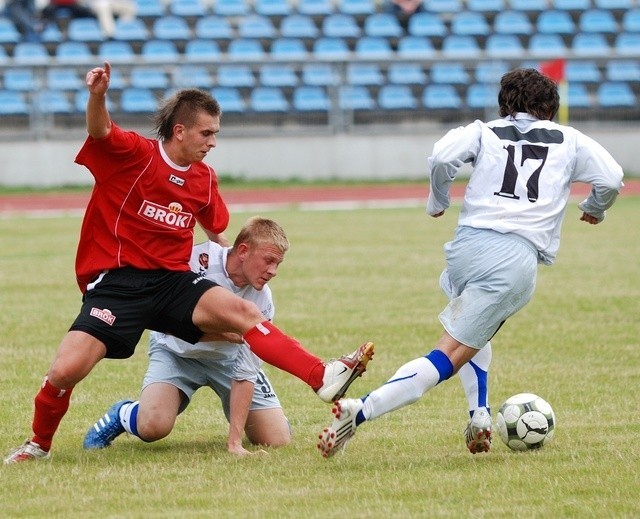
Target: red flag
{"points": [[553, 69]]}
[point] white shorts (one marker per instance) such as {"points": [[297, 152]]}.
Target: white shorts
{"points": [[488, 278], [189, 375]]}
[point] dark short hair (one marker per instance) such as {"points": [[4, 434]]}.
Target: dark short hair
{"points": [[527, 90], [182, 108]]}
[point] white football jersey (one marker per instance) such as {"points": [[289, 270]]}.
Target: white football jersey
{"points": [[522, 171], [210, 259]]}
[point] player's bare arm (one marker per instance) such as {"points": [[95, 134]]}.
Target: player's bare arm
{"points": [[97, 116]]}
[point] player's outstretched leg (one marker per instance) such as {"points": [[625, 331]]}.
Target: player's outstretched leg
{"points": [[106, 429], [477, 435], [340, 373], [335, 437]]}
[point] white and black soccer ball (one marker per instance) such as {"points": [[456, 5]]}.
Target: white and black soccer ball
{"points": [[525, 421]]}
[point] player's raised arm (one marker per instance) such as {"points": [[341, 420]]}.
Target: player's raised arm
{"points": [[97, 116]]}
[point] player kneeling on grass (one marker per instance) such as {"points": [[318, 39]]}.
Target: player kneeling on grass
{"points": [[516, 198], [177, 369]]}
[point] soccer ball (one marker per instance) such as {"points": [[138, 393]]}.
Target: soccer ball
{"points": [[525, 421]]}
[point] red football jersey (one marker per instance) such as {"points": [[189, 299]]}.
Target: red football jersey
{"points": [[143, 208]]}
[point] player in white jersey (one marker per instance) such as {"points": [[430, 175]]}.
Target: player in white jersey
{"points": [[514, 203], [177, 368]]}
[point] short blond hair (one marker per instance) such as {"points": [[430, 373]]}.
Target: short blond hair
{"points": [[260, 231]]}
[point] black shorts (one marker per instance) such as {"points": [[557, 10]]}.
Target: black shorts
{"points": [[125, 302]]}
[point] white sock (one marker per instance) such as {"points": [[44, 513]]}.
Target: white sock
{"points": [[474, 378], [129, 417]]}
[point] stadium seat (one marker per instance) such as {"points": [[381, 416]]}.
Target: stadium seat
{"points": [[470, 23], [246, 49], [373, 47], [8, 31], [364, 74], [310, 99], [149, 9], [578, 96], [116, 51], [30, 53], [444, 6], [236, 76], [273, 8], [52, 34], [512, 22], [599, 21], [213, 27], [191, 76], [590, 44], [355, 97], [427, 24], [85, 29], [256, 26], [623, 70], [571, 5], [20, 79], [230, 99], [452, 73], [231, 8], [74, 52], [547, 45], [319, 74], [143, 77], [437, 97], [201, 50], [340, 25], [529, 6], [415, 47], [627, 44], [383, 25], [4, 57], [298, 26], [52, 102], [159, 50], [616, 94], [614, 5], [278, 75], [555, 22], [138, 100], [268, 99], [63, 79], [331, 48], [396, 97], [357, 8], [171, 28], [456, 45], [288, 49], [582, 71], [503, 46], [490, 72], [13, 103], [187, 8], [631, 20], [316, 7], [131, 30], [486, 6], [401, 73], [481, 95]]}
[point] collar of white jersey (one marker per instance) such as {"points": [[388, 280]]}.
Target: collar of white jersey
{"points": [[521, 116], [166, 158]]}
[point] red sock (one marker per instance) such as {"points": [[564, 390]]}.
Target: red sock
{"points": [[284, 352], [51, 404]]}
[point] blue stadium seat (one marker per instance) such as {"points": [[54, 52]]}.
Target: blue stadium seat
{"points": [[116, 51], [547, 45], [142, 77], [415, 47], [616, 94], [490, 72], [31, 53], [571, 5], [231, 7], [582, 71], [444, 6], [590, 44], [481, 95], [404, 73], [289, 49], [278, 75], [452, 73], [503, 46], [8, 31], [230, 99], [438, 97], [84, 29], [486, 6], [396, 97], [171, 28], [150, 9], [138, 100], [191, 76], [357, 7], [631, 20], [512, 22], [268, 99], [529, 6], [52, 102], [246, 49], [4, 57], [213, 27], [364, 74], [456, 45], [331, 48], [187, 8], [340, 25], [310, 99], [131, 30], [236, 76], [373, 47], [13, 103], [470, 23], [52, 34], [159, 50], [383, 25], [623, 70], [202, 50], [427, 24], [355, 97], [614, 5], [20, 79], [256, 26], [63, 79], [319, 74], [299, 26], [555, 22], [316, 7], [118, 80], [578, 96], [74, 52], [627, 44], [273, 8], [598, 20]]}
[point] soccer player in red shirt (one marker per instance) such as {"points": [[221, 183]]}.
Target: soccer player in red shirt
{"points": [[132, 262]]}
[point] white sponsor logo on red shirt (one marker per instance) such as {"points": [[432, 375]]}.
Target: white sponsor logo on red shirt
{"points": [[171, 216]]}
